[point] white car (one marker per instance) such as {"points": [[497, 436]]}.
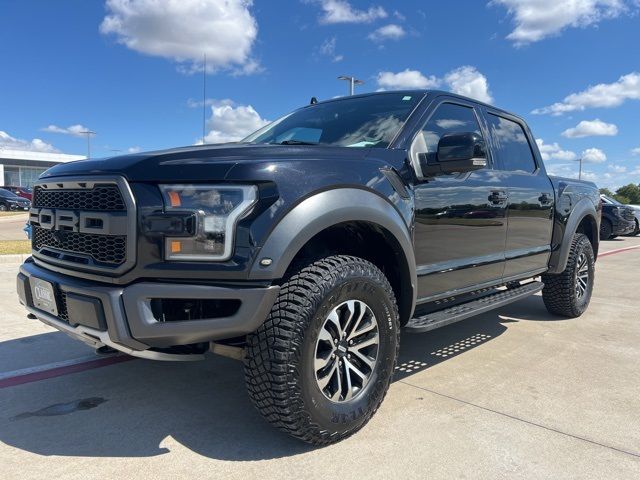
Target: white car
{"points": [[636, 211]]}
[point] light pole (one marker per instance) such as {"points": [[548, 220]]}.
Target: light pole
{"points": [[580, 170], [88, 133], [353, 81]]}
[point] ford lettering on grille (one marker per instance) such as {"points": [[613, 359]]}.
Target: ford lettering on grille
{"points": [[84, 223]]}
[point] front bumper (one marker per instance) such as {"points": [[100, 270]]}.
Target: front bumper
{"points": [[16, 207], [121, 316], [623, 226]]}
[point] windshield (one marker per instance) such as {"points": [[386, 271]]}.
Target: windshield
{"points": [[369, 121]]}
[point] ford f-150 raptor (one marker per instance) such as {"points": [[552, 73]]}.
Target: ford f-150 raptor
{"points": [[309, 245]]}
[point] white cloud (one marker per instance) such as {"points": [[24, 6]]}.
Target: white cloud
{"points": [[591, 128], [388, 32], [8, 142], [469, 82], [184, 30], [553, 151], [464, 81], [406, 79], [617, 168], [75, 130], [135, 149], [603, 95], [593, 155], [328, 48], [341, 11], [635, 151], [536, 20], [230, 122]]}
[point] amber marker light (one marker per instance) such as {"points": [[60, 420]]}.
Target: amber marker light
{"points": [[174, 199], [176, 246]]}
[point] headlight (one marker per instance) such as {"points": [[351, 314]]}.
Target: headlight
{"points": [[217, 209]]}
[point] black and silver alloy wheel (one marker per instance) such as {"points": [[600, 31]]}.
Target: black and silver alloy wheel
{"points": [[321, 364], [346, 351], [582, 276]]}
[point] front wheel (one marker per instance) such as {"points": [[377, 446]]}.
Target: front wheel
{"points": [[321, 364], [569, 293]]}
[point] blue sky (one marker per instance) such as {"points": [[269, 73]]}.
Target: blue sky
{"points": [[131, 70]]}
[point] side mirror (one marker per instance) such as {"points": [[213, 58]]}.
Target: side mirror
{"points": [[457, 153]]}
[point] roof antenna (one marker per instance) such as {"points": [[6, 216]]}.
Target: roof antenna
{"points": [[313, 101], [204, 98]]}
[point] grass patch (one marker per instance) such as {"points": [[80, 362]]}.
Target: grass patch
{"points": [[13, 214], [14, 246]]}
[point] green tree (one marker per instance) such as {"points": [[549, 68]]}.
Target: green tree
{"points": [[630, 192], [606, 191]]}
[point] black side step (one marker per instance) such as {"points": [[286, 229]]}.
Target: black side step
{"points": [[449, 315]]}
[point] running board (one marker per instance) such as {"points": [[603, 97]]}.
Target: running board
{"points": [[449, 315]]}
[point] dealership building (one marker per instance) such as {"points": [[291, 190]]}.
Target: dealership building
{"points": [[22, 169]]}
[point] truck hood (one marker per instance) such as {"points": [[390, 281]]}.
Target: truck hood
{"points": [[207, 162]]}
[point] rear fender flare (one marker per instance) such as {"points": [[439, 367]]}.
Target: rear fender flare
{"points": [[584, 208]]}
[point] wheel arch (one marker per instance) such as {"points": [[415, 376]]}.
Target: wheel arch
{"points": [[583, 219], [345, 221]]}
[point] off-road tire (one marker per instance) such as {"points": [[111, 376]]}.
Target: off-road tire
{"points": [[559, 292], [279, 356], [636, 231], [606, 229], [3, 208]]}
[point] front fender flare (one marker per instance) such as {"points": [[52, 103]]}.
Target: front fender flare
{"points": [[321, 211]]}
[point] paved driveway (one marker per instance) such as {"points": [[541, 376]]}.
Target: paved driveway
{"points": [[515, 393]]}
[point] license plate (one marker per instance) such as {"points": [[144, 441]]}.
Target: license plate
{"points": [[43, 296]]}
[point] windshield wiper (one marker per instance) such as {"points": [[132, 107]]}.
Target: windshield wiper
{"points": [[293, 142]]}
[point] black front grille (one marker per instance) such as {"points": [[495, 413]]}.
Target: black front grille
{"points": [[101, 198], [109, 249]]}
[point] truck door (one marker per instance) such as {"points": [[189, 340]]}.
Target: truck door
{"points": [[460, 227], [530, 195]]}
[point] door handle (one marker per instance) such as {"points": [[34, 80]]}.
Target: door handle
{"points": [[497, 197]]}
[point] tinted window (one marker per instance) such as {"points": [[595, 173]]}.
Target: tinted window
{"points": [[511, 145], [448, 118], [369, 121]]}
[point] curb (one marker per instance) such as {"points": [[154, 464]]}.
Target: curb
{"points": [[14, 258]]}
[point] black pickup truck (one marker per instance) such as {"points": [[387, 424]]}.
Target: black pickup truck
{"points": [[307, 247]]}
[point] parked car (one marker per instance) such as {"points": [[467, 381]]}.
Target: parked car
{"points": [[24, 192], [304, 248], [636, 211], [616, 220], [9, 201]]}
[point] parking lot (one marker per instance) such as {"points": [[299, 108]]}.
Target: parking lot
{"points": [[515, 393]]}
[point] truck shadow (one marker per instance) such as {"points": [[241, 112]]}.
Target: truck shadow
{"points": [[145, 409]]}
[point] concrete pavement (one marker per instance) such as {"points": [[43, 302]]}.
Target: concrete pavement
{"points": [[516, 393]]}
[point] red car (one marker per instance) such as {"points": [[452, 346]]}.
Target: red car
{"points": [[24, 192]]}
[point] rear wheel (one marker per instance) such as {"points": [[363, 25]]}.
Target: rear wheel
{"points": [[605, 229], [569, 293], [637, 229], [3, 208], [321, 364]]}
